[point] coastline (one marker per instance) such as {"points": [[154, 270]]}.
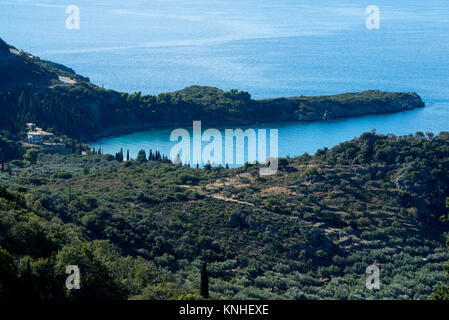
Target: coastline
{"points": [[129, 129], [97, 113]]}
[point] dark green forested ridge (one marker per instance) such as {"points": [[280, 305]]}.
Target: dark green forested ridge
{"points": [[142, 230], [55, 97]]}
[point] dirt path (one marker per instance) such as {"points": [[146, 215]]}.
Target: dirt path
{"points": [[216, 196]]}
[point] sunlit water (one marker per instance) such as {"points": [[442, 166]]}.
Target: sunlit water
{"points": [[270, 48], [297, 138]]}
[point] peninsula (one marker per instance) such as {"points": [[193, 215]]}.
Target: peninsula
{"points": [[39, 91]]}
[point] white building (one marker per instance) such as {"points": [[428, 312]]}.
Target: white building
{"points": [[34, 137]]}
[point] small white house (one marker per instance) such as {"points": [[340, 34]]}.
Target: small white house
{"points": [[34, 138]]}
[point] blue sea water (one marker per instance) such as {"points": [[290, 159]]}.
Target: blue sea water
{"points": [[270, 48]]}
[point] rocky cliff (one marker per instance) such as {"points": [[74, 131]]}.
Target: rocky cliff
{"points": [[343, 105]]}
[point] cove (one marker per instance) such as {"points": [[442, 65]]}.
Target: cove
{"points": [[297, 138]]}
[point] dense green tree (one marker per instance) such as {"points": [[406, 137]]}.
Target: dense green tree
{"points": [[204, 281], [96, 280], [31, 155], [141, 156], [6, 274], [442, 291]]}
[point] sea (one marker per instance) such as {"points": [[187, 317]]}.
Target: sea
{"points": [[270, 48]]}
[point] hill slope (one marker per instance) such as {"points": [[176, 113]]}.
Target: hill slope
{"points": [[142, 230]]}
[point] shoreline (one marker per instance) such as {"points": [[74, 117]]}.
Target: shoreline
{"points": [[130, 129]]}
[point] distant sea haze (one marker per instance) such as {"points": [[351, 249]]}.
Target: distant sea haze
{"points": [[268, 48]]}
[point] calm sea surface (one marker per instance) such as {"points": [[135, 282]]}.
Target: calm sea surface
{"points": [[270, 48]]}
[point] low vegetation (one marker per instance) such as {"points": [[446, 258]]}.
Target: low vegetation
{"points": [[143, 229]]}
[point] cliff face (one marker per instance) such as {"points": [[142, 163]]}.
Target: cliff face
{"points": [[344, 105]]}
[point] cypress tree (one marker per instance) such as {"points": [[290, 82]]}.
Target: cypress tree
{"points": [[204, 282], [70, 192], [127, 155], [141, 156], [28, 284]]}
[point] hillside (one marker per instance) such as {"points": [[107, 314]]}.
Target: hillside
{"points": [[141, 230], [34, 90], [22, 70]]}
